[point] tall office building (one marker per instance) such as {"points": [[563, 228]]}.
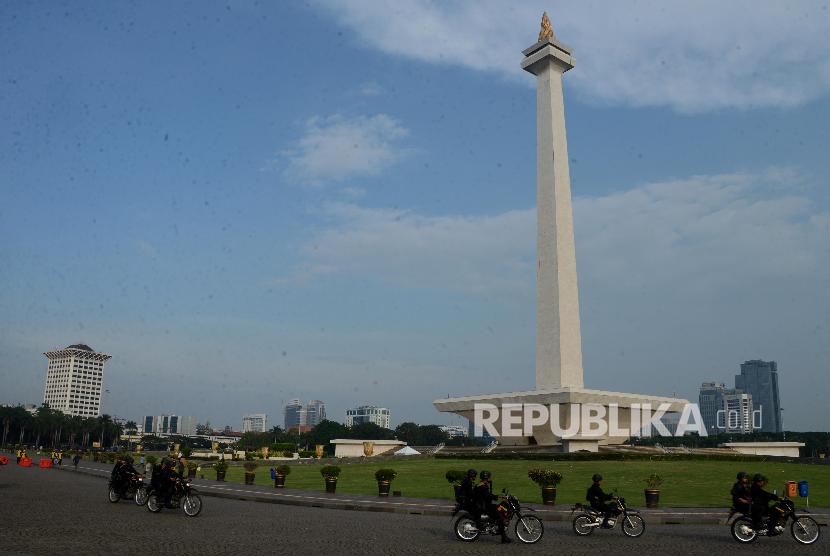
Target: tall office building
{"points": [[255, 422], [315, 411], [760, 380], [737, 411], [296, 417], [169, 424], [74, 380], [710, 401], [725, 410], [368, 414]]}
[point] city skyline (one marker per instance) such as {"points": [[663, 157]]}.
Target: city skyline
{"points": [[250, 232]]}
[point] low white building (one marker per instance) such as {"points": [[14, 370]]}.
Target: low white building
{"points": [[785, 449], [351, 448]]}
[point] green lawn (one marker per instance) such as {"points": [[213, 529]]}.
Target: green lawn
{"points": [[686, 483]]}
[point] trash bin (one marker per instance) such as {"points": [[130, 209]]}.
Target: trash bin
{"points": [[803, 489], [791, 489]]}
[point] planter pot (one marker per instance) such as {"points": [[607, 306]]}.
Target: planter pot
{"points": [[383, 488], [220, 475], [652, 497], [249, 478], [331, 484], [548, 495], [279, 481]]}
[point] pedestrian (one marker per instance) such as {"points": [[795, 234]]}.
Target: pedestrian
{"points": [[60, 458], [19, 454], [141, 460], [76, 459]]}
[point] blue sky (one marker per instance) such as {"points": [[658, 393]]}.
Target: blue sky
{"points": [[249, 202]]}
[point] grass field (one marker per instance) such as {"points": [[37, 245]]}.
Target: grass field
{"points": [[685, 483]]}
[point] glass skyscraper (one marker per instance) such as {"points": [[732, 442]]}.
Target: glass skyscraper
{"points": [[760, 379]]}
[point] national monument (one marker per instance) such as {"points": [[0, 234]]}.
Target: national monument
{"points": [[559, 374]]}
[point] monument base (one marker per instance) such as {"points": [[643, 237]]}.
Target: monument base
{"points": [[542, 435]]}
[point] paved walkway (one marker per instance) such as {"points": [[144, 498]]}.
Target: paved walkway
{"points": [[416, 506]]}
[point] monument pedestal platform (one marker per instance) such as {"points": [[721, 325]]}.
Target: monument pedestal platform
{"points": [[564, 398]]}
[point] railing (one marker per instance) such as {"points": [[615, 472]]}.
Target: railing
{"points": [[490, 447]]}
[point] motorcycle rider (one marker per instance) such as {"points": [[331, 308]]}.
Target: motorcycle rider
{"points": [[167, 482], [760, 502], [467, 491], [742, 493], [127, 473], [597, 498], [484, 501]]}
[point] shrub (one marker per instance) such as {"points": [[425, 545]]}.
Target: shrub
{"points": [[282, 447], [288, 454], [455, 476], [152, 460], [282, 470], [385, 474], [221, 466], [249, 456], [306, 454], [250, 466], [545, 476], [330, 471], [192, 465], [653, 481], [186, 452]]}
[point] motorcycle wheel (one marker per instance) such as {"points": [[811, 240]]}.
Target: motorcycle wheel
{"points": [[583, 525], [141, 496], [192, 505], [465, 529], [805, 530], [633, 526], [153, 503], [742, 530], [113, 495], [529, 529]]}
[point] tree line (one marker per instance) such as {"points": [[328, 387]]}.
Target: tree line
{"points": [[54, 429]]}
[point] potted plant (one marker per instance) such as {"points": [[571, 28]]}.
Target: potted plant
{"points": [[454, 477], [548, 479], [280, 472], [250, 466], [652, 491], [221, 468], [384, 478], [192, 466], [330, 474]]}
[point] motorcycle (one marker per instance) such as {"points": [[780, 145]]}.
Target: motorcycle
{"points": [[803, 528], [127, 492], [142, 492], [528, 528], [589, 519], [184, 496]]}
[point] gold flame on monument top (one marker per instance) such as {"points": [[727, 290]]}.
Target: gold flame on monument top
{"points": [[547, 31]]}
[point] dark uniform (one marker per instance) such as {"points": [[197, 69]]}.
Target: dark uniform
{"points": [[597, 498], [742, 497], [466, 494], [168, 483], [485, 504], [760, 503]]}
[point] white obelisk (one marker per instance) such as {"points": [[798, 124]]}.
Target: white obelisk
{"points": [[558, 337]]}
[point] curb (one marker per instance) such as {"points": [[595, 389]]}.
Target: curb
{"points": [[438, 510]]}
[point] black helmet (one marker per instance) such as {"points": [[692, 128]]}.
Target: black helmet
{"points": [[471, 473], [484, 475], [596, 478], [742, 475], [129, 459], [758, 478]]}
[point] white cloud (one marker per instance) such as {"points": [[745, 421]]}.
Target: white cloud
{"points": [[336, 148], [690, 56], [702, 234]]}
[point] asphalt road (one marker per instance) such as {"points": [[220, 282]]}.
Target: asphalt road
{"points": [[53, 512]]}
